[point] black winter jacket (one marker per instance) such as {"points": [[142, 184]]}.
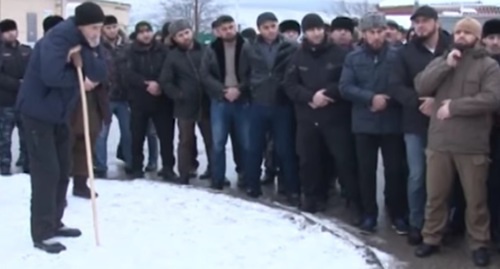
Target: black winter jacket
{"points": [[115, 65], [311, 69], [411, 59], [266, 83], [213, 69], [13, 61], [143, 63], [180, 80]]}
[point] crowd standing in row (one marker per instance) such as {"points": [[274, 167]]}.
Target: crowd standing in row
{"points": [[317, 109]]}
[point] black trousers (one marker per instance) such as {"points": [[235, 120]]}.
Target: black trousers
{"points": [[311, 139], [48, 147], [236, 149], [163, 120], [394, 158]]}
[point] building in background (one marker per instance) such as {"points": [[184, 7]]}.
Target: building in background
{"points": [[29, 14], [449, 13]]}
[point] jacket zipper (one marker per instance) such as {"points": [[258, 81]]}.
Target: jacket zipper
{"points": [[200, 97]]}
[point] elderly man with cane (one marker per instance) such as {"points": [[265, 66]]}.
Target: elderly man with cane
{"points": [[47, 98]]}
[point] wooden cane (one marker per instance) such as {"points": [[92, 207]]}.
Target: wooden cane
{"points": [[77, 61]]}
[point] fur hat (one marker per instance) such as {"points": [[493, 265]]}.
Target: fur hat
{"points": [[110, 19], [372, 20], [88, 13], [343, 23], [491, 27], [50, 22], [469, 25], [7, 25], [289, 25], [178, 25]]}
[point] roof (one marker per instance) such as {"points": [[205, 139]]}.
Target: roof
{"points": [[457, 10]]}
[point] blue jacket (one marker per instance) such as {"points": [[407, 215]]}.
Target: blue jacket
{"points": [[50, 89], [365, 74]]}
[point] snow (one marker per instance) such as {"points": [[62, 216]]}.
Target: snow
{"points": [[145, 224]]}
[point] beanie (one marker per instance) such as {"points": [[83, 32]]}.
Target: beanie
{"points": [[8, 25], [311, 21], [469, 25], [164, 30], [143, 25], [372, 20], [50, 22], [343, 23], [249, 34], [266, 17], [110, 19], [491, 27], [289, 25], [88, 13], [178, 25]]}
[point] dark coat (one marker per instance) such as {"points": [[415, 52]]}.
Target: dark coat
{"points": [[266, 82], [365, 74], [311, 69], [181, 81], [213, 69], [412, 58], [50, 88], [115, 63], [143, 63], [13, 61]]}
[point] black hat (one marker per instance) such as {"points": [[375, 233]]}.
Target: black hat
{"points": [[426, 12], [266, 17], [7, 25], [143, 25], [50, 22], [312, 20], [344, 23], [249, 33], [164, 30], [132, 36], [289, 25], [88, 13], [491, 27], [392, 24], [110, 19]]}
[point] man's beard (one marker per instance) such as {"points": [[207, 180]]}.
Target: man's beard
{"points": [[229, 39], [185, 45], [463, 46], [94, 42], [424, 38]]}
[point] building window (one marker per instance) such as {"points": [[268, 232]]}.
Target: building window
{"points": [[31, 27]]}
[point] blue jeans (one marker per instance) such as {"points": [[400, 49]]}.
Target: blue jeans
{"points": [[278, 122], [222, 115], [415, 154], [122, 113], [152, 139]]}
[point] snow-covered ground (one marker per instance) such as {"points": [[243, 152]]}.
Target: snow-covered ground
{"points": [[153, 225]]}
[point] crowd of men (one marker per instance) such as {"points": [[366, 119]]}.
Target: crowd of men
{"points": [[315, 103]]}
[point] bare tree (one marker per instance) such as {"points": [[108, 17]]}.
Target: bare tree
{"points": [[200, 13], [351, 8]]}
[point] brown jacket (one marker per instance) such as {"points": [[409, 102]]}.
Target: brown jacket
{"points": [[474, 89]]}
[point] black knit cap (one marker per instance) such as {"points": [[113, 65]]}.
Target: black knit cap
{"points": [[7, 25], [343, 23], [88, 13], [50, 22], [491, 27], [312, 20], [249, 34], [266, 17], [289, 25], [110, 19], [143, 25]]}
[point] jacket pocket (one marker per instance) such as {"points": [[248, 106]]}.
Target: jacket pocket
{"points": [[471, 86]]}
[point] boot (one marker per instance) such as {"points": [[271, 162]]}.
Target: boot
{"points": [[50, 246], [169, 175], [426, 250], [151, 168], [64, 231], [80, 188], [268, 179], [414, 236], [481, 257], [5, 171]]}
